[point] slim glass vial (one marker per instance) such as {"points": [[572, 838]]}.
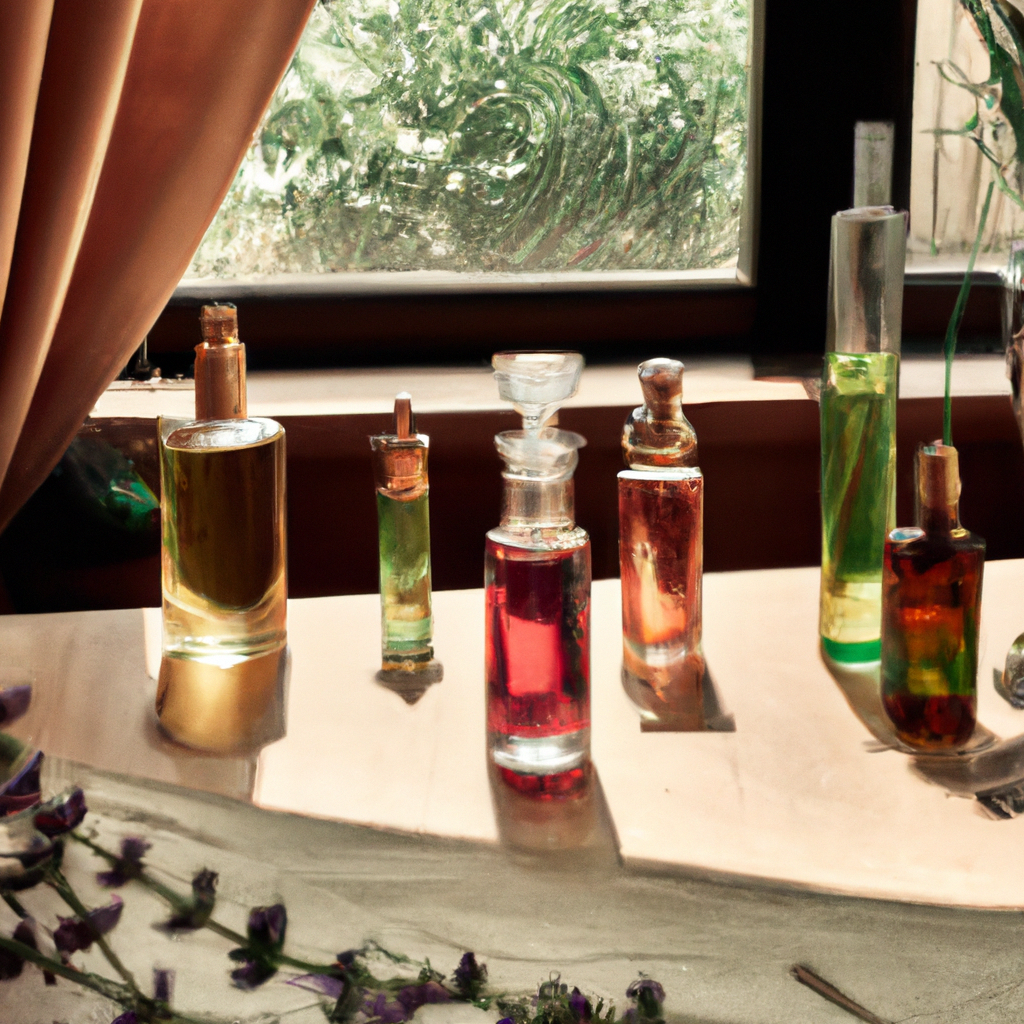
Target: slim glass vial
{"points": [[537, 587], [661, 553], [403, 526], [858, 426], [932, 612], [223, 558]]}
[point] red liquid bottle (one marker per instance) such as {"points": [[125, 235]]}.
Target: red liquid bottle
{"points": [[931, 608], [661, 552], [537, 579]]}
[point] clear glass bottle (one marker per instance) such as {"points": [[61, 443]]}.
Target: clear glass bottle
{"points": [[858, 426], [403, 525], [223, 561], [661, 553], [931, 613], [537, 580]]}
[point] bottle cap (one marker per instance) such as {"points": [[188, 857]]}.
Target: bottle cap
{"points": [[537, 383]]}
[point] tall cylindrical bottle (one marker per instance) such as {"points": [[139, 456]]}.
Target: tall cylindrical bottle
{"points": [[403, 527], [661, 519], [223, 558], [537, 580], [858, 426], [932, 612]]}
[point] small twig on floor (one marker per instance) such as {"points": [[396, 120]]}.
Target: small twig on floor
{"points": [[807, 977]]}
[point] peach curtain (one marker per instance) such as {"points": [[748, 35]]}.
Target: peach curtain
{"points": [[124, 122]]}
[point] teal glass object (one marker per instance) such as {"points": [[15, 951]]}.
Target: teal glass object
{"points": [[403, 526], [858, 426]]}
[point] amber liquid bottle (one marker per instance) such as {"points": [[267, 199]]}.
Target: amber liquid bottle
{"points": [[931, 610], [223, 559], [661, 551]]}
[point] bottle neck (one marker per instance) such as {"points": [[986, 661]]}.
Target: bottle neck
{"points": [[532, 504], [220, 381], [938, 489]]}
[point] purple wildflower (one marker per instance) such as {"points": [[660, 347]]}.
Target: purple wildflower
{"points": [[267, 925], [469, 976], [648, 996], [506, 1020], [580, 1005], [412, 997], [128, 1017], [74, 933], [379, 1009], [163, 985], [266, 929], [196, 911], [61, 814], [127, 866]]}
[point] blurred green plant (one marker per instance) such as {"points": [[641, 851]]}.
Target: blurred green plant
{"points": [[997, 128], [499, 135]]}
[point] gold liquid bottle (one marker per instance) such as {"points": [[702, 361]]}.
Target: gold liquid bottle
{"points": [[224, 565]]}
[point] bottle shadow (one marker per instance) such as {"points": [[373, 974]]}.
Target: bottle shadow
{"points": [[696, 710], [572, 831], [988, 769]]}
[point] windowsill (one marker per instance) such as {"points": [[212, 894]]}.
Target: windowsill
{"points": [[333, 392]]}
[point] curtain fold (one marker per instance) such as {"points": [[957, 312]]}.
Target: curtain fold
{"points": [[144, 112]]}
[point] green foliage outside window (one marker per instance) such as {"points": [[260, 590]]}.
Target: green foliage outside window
{"points": [[497, 135]]}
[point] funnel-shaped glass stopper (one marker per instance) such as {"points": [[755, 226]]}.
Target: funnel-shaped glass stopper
{"points": [[537, 383]]}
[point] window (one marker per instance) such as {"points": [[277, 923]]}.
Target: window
{"points": [[601, 136], [967, 118]]}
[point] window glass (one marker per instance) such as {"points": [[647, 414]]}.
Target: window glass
{"points": [[498, 135], [968, 130]]}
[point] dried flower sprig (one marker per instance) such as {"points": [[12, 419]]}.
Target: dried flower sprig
{"points": [[32, 848]]}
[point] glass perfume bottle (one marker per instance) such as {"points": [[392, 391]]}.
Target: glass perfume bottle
{"points": [[931, 612], [403, 522], [537, 580], [661, 551], [224, 568], [858, 426]]}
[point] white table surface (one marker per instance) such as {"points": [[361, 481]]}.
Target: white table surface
{"points": [[800, 794]]}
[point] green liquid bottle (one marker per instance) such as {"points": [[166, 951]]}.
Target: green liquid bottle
{"points": [[858, 427], [403, 520]]}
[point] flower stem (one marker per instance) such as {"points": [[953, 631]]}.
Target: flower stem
{"points": [[954, 321], [14, 903], [63, 888], [110, 989], [179, 902]]}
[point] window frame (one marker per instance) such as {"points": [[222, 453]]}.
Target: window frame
{"points": [[817, 78]]}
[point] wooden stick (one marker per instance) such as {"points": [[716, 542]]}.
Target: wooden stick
{"points": [[807, 977]]}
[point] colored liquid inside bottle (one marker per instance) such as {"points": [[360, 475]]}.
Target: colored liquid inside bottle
{"points": [[931, 616], [661, 561], [404, 536], [858, 449], [538, 660]]}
